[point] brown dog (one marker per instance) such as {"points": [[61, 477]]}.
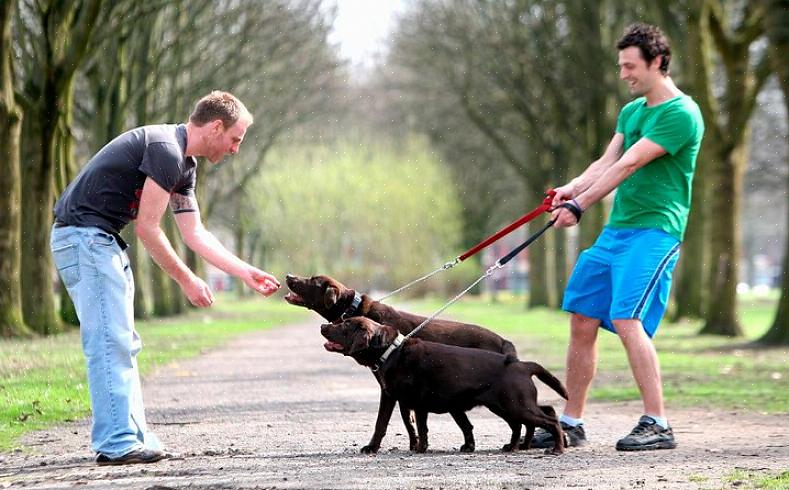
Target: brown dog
{"points": [[429, 377], [333, 301]]}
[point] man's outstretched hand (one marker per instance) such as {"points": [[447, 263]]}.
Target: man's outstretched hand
{"points": [[260, 281]]}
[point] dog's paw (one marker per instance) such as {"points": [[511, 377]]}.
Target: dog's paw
{"points": [[421, 448], [413, 444], [508, 448], [467, 448], [370, 449], [554, 452], [524, 445]]}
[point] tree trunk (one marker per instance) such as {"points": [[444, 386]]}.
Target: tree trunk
{"points": [[722, 311], [38, 303], [66, 170], [11, 323], [776, 25], [689, 292], [541, 269]]}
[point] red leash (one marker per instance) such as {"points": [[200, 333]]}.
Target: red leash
{"points": [[542, 208]]}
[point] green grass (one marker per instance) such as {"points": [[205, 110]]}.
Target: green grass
{"points": [[754, 480], [698, 371], [43, 381]]}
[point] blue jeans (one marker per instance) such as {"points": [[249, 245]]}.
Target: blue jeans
{"points": [[98, 277]]}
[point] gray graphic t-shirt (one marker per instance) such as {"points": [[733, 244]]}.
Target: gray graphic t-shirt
{"points": [[107, 191]]}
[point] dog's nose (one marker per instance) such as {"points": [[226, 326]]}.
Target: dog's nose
{"points": [[290, 276]]}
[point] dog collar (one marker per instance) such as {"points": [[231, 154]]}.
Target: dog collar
{"points": [[381, 360], [357, 300]]}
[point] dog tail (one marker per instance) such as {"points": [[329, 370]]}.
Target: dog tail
{"points": [[508, 349], [547, 378]]}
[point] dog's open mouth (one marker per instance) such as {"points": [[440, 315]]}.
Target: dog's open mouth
{"points": [[333, 347], [294, 299]]}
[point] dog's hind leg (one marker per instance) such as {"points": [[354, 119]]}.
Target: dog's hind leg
{"points": [[526, 441], [468, 431], [421, 428], [516, 435], [408, 421]]}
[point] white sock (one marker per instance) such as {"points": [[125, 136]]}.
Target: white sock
{"points": [[571, 421], [661, 421]]}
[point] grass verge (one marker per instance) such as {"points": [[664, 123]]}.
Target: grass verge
{"points": [[43, 381]]}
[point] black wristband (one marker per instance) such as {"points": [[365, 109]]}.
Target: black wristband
{"points": [[574, 208]]}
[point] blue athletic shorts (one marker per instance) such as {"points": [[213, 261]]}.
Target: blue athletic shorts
{"points": [[625, 275]]}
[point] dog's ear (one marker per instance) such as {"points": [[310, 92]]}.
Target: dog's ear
{"points": [[361, 341], [330, 296], [378, 339]]}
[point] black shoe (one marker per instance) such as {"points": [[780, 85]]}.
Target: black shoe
{"points": [[573, 436], [647, 435], [138, 456]]}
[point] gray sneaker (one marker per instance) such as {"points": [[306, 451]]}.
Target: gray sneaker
{"points": [[573, 436], [647, 435]]}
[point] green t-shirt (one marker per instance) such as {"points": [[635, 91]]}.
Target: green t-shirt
{"points": [[657, 195]]}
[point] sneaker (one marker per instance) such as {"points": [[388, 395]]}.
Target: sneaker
{"points": [[573, 436], [138, 456], [647, 435]]}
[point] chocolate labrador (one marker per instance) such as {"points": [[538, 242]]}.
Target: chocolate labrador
{"points": [[334, 301], [430, 377]]}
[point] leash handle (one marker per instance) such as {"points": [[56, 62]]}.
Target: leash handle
{"points": [[542, 208]]}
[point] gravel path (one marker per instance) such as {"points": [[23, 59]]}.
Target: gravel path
{"points": [[274, 410]]}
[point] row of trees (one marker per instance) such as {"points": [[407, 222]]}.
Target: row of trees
{"points": [[76, 73], [516, 96], [535, 82]]}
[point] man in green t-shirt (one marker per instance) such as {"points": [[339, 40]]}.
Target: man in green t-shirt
{"points": [[622, 282]]}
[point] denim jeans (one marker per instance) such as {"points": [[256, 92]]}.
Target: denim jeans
{"points": [[98, 277]]}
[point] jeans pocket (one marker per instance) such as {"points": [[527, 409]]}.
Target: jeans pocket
{"points": [[67, 263], [102, 238]]}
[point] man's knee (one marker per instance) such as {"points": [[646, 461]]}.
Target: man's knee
{"points": [[630, 330], [583, 328]]}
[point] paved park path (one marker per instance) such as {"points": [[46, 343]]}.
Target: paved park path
{"points": [[274, 410]]}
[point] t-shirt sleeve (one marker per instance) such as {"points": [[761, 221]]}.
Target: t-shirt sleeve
{"points": [[624, 114], [672, 130], [162, 162], [187, 184]]}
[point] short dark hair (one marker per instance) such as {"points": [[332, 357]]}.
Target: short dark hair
{"points": [[219, 105], [650, 40]]}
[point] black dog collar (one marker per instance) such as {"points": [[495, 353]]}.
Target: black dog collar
{"points": [[381, 360], [351, 311]]}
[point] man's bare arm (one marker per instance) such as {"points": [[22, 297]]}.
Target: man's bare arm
{"points": [[153, 204]]}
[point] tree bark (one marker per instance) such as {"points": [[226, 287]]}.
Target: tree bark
{"points": [[777, 28], [11, 322]]}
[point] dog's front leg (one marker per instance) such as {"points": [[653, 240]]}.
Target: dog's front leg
{"points": [[408, 421], [421, 427], [385, 408]]}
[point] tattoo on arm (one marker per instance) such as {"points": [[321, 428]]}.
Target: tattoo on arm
{"points": [[180, 203]]}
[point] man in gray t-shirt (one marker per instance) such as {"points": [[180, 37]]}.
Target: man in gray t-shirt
{"points": [[134, 178]]}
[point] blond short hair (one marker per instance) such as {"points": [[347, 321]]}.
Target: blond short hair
{"points": [[220, 105]]}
